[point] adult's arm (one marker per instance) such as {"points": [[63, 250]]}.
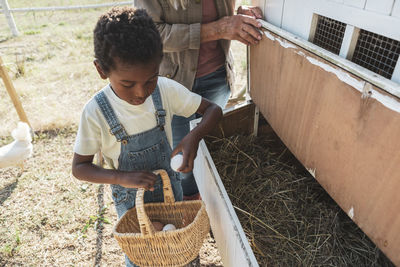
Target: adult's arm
{"points": [[239, 27], [176, 37]]}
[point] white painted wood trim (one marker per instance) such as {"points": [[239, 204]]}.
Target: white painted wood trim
{"points": [[313, 28], [396, 72], [9, 17], [349, 41], [380, 6], [231, 240], [272, 10], [256, 118], [385, 84], [248, 73]]}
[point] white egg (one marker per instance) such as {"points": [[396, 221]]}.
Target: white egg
{"points": [[169, 227], [176, 162]]}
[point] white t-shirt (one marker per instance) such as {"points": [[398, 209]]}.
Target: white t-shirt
{"points": [[93, 133]]}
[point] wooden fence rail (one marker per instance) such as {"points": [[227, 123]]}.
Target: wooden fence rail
{"points": [[8, 11]]}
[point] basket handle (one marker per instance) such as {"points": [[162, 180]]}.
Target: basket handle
{"points": [[146, 227]]}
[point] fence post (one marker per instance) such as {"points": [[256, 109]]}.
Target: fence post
{"points": [[13, 94], [9, 17]]}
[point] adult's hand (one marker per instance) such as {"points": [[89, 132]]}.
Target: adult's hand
{"points": [[242, 28], [252, 11]]}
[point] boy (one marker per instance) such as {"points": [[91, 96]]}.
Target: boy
{"points": [[129, 120]]}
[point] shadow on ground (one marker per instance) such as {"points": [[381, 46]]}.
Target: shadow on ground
{"points": [[7, 191]]}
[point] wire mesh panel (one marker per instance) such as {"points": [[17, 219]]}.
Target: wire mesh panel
{"points": [[329, 34], [376, 53]]}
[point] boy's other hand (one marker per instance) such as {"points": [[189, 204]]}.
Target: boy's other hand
{"points": [[137, 179], [188, 146]]}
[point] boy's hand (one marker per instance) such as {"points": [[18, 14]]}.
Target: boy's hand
{"points": [[84, 169], [188, 146], [212, 114], [137, 179]]}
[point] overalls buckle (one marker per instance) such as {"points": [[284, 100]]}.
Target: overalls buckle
{"points": [[117, 128]]}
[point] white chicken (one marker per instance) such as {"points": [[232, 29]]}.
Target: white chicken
{"points": [[20, 149]]}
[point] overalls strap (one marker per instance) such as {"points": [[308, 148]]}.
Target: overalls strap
{"points": [[116, 127], [160, 112]]}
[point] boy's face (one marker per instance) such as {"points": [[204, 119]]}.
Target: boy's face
{"points": [[132, 83]]}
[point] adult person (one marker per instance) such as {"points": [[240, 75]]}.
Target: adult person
{"points": [[196, 37]]}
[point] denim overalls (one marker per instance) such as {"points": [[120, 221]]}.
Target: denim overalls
{"points": [[214, 87], [148, 150]]}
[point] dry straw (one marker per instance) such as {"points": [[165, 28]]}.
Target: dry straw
{"points": [[288, 218], [145, 246]]}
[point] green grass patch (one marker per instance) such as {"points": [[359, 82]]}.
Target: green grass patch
{"points": [[32, 32]]}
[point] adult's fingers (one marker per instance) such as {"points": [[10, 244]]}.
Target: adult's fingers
{"points": [[252, 11], [251, 21], [250, 34], [256, 12], [244, 41]]}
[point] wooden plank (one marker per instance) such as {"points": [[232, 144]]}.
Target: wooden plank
{"points": [[396, 72], [380, 6], [344, 130], [229, 235], [228, 232], [355, 3], [349, 42], [242, 115], [273, 11], [13, 94], [396, 9]]}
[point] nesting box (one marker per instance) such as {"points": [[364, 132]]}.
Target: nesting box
{"points": [[341, 121]]}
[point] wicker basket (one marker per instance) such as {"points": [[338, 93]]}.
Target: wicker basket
{"points": [[146, 247]]}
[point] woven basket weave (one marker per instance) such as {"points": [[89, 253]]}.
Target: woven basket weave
{"points": [[146, 247]]}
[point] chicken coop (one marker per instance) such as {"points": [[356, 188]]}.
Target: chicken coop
{"points": [[326, 78]]}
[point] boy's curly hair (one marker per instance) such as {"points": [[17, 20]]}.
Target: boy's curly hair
{"points": [[128, 34]]}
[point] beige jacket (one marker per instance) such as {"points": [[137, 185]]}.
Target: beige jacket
{"points": [[180, 32]]}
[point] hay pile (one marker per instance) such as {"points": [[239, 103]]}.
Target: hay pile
{"points": [[287, 216]]}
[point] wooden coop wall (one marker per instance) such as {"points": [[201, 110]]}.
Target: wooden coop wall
{"points": [[344, 130]]}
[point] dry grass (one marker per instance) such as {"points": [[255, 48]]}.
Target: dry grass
{"points": [[51, 67], [48, 218], [289, 219]]}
